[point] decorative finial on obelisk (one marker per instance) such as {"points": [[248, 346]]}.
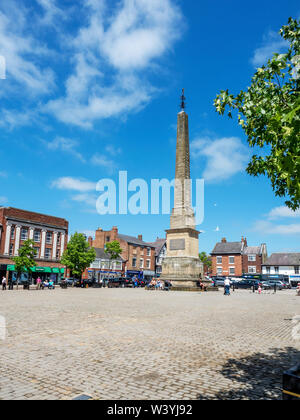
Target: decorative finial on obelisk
{"points": [[182, 104]]}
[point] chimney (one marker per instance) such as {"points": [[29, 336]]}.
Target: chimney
{"points": [[224, 241], [140, 237], [90, 241]]}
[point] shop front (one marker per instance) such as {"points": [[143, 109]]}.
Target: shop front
{"points": [[98, 275], [132, 273], [44, 273], [148, 275]]}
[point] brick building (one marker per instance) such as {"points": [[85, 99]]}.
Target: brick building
{"points": [[103, 267], [139, 255], [160, 254], [237, 258], [50, 236]]}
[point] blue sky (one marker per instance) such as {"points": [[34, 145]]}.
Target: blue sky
{"points": [[92, 87]]}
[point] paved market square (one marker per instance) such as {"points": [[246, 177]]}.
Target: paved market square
{"points": [[134, 344]]}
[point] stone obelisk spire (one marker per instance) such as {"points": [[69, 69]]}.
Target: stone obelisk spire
{"points": [[182, 214], [182, 265]]}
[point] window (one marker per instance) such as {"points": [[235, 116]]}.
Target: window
{"points": [[231, 260], [107, 239], [47, 253], [11, 249], [134, 262], [268, 270], [105, 265], [158, 270], [276, 270], [148, 252], [142, 251], [118, 265], [49, 237], [219, 260], [57, 254], [141, 263], [148, 264], [37, 236], [232, 271], [37, 252], [58, 238], [219, 271], [297, 270], [252, 270], [24, 234], [251, 258], [12, 233]]}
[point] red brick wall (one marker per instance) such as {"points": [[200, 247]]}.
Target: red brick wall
{"points": [[238, 264]]}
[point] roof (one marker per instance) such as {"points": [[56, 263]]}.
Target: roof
{"points": [[288, 259], [101, 254], [159, 244], [134, 241], [252, 250], [228, 248]]}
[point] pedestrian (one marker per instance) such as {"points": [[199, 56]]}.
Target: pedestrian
{"points": [[38, 283], [4, 283], [259, 289], [10, 284], [227, 286]]}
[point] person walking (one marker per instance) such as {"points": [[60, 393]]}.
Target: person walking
{"points": [[10, 284], [38, 283], [4, 283], [227, 286]]}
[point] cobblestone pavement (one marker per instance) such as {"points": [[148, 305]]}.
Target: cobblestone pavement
{"points": [[134, 344]]}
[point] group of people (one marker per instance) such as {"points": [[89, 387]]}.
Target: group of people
{"points": [[39, 284]]}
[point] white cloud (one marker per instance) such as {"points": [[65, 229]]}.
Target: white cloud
{"points": [[265, 227], [283, 212], [217, 229], [66, 145], [51, 11], [74, 184], [3, 200], [112, 150], [112, 55], [225, 156], [103, 161], [88, 199], [272, 43], [3, 174], [23, 53]]}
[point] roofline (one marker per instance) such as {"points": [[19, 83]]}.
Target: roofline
{"points": [[34, 212]]}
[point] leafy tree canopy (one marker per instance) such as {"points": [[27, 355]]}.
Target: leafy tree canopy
{"points": [[24, 262], [113, 249], [78, 255], [205, 259], [269, 113]]}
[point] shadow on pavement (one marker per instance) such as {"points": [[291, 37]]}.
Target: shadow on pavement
{"points": [[259, 375]]}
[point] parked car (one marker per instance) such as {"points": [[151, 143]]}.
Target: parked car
{"points": [[271, 284], [70, 281], [119, 282], [247, 284]]}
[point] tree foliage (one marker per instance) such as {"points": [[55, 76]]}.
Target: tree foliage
{"points": [[205, 259], [269, 113], [24, 262], [78, 255], [113, 250]]}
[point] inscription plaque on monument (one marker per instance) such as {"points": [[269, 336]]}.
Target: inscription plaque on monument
{"points": [[177, 244]]}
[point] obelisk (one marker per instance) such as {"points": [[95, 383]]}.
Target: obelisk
{"points": [[182, 265]]}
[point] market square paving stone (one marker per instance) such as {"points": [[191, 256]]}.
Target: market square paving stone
{"points": [[134, 344]]}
